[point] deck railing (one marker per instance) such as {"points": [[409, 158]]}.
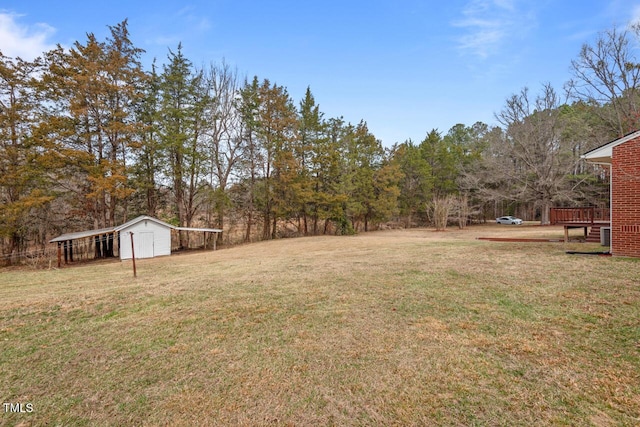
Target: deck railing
{"points": [[588, 215]]}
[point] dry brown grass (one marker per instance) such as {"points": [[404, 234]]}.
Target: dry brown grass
{"points": [[407, 327]]}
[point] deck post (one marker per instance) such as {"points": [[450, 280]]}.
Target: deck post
{"points": [[566, 234]]}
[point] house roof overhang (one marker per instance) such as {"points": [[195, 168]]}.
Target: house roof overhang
{"points": [[603, 154]]}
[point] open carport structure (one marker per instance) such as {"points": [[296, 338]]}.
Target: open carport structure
{"points": [[144, 236]]}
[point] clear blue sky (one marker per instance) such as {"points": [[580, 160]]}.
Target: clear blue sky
{"points": [[404, 66]]}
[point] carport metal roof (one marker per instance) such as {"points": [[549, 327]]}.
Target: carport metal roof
{"points": [[82, 234]]}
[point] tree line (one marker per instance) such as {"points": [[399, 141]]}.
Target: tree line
{"points": [[90, 139]]}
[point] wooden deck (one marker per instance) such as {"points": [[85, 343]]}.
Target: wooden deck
{"points": [[589, 217]]}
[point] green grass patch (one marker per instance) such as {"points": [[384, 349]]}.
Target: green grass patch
{"points": [[394, 328]]}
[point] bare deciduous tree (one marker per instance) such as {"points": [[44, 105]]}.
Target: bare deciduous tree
{"points": [[439, 209], [223, 135], [536, 161], [607, 74]]}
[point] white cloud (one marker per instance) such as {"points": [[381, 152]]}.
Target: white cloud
{"points": [[635, 16], [488, 24], [24, 41], [196, 21], [182, 26]]}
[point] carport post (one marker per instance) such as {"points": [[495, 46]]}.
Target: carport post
{"points": [[133, 255]]}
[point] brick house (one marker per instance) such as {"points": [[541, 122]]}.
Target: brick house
{"points": [[622, 156]]}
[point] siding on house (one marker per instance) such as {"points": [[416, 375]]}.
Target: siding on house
{"points": [[625, 199]]}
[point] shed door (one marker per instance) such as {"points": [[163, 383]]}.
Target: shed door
{"points": [[143, 244]]}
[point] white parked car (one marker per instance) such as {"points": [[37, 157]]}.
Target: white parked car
{"points": [[508, 220]]}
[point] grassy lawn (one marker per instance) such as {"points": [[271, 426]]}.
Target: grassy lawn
{"points": [[407, 327]]}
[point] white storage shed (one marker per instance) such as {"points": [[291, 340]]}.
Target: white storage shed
{"points": [[151, 238]]}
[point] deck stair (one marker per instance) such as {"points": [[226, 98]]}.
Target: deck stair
{"points": [[594, 234]]}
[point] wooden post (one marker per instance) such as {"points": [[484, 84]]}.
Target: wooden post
{"points": [[105, 250], [133, 256], [110, 245], [59, 254], [98, 252]]}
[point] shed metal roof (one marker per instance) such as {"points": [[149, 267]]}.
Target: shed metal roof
{"points": [[142, 218]]}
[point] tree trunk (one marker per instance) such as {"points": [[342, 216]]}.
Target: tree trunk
{"points": [[275, 227], [266, 228], [247, 236], [544, 213], [220, 225], [306, 228], [315, 223]]}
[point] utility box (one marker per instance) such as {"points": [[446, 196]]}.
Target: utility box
{"points": [[605, 236]]}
